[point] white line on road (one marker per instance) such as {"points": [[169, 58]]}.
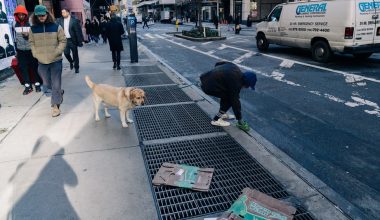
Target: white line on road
{"points": [[159, 36], [345, 74], [287, 64], [149, 36], [245, 56], [279, 76], [206, 42], [211, 52], [222, 47]]}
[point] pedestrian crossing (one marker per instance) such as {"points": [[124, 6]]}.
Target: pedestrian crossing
{"points": [[152, 36]]}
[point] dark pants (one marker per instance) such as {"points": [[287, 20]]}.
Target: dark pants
{"points": [[116, 57], [74, 49], [145, 24], [26, 61], [104, 36], [51, 75], [225, 102]]}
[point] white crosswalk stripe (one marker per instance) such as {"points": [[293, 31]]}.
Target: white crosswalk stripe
{"points": [[149, 36]]}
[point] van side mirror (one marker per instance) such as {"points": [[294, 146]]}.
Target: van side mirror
{"points": [[273, 19]]}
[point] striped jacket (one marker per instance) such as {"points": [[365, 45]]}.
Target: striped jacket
{"points": [[47, 42], [22, 42]]}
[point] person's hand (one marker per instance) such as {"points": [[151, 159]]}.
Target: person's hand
{"points": [[243, 125]]}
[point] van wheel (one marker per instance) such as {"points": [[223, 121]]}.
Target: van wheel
{"points": [[362, 56], [262, 42], [321, 52]]}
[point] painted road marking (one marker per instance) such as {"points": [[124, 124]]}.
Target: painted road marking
{"points": [[279, 76], [245, 56], [149, 36], [287, 64]]}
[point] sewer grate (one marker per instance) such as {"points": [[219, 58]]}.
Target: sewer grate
{"points": [[159, 122], [141, 69], [235, 169], [147, 79], [165, 94]]}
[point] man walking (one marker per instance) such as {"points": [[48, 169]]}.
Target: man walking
{"points": [[47, 40], [225, 82], [145, 20], [74, 36], [24, 54]]}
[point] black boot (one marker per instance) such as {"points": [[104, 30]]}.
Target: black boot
{"points": [[27, 90], [114, 65]]}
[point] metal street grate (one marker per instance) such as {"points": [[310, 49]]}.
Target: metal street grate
{"points": [[141, 69], [160, 122], [147, 79], [235, 169], [165, 94]]}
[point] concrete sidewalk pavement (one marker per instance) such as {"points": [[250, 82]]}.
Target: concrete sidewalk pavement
{"points": [[72, 167]]}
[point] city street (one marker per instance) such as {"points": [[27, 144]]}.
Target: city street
{"points": [[326, 117]]}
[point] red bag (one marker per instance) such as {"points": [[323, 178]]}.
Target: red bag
{"points": [[18, 73]]}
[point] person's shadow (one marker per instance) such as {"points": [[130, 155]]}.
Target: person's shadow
{"points": [[46, 198]]}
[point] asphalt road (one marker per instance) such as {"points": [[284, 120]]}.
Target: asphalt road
{"points": [[324, 116]]}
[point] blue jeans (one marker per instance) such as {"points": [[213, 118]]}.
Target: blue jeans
{"points": [[51, 75]]}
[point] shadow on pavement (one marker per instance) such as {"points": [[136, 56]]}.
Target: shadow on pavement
{"points": [[46, 197]]}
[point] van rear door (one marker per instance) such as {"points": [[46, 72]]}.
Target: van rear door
{"points": [[367, 15]]}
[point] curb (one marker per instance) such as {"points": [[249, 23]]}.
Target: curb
{"points": [[200, 39], [6, 73]]}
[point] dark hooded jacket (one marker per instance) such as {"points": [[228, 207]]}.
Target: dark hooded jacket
{"points": [[114, 30], [225, 81]]}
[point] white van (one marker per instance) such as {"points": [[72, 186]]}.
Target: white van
{"points": [[324, 27]]}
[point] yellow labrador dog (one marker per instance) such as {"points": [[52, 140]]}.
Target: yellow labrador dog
{"points": [[125, 98]]}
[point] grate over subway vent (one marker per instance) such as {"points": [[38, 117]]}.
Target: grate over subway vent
{"points": [[235, 169], [165, 94], [147, 79], [159, 122], [141, 69]]}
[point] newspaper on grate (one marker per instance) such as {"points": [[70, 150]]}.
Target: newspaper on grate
{"points": [[253, 204], [184, 176]]}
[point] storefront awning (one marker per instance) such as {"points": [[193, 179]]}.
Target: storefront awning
{"points": [[146, 3]]}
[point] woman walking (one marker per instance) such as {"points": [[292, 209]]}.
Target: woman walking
{"points": [[114, 32], [95, 25], [88, 28]]}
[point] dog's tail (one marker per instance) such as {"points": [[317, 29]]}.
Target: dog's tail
{"points": [[89, 82]]}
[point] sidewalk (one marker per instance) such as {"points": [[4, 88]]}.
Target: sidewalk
{"points": [[72, 167]]}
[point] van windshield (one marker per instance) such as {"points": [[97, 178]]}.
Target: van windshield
{"points": [[275, 15]]}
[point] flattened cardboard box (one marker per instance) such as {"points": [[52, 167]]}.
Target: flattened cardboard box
{"points": [[254, 205], [184, 176]]}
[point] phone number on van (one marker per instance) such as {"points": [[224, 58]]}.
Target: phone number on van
{"points": [[310, 29]]}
